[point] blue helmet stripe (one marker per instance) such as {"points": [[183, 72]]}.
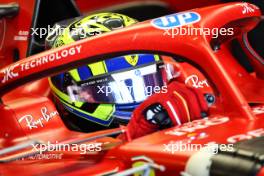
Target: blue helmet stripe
{"points": [[84, 72], [120, 63], [124, 115]]}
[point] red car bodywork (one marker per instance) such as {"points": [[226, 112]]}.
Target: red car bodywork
{"points": [[231, 118], [21, 24]]}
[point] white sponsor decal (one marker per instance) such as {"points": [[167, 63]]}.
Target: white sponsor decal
{"points": [[249, 135], [31, 122], [248, 8], [46, 156], [258, 110], [9, 73], [197, 125], [22, 36], [50, 58], [195, 82]]}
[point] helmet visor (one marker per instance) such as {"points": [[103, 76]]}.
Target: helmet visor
{"points": [[123, 87]]}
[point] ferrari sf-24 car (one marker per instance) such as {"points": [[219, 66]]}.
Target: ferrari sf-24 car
{"points": [[230, 138]]}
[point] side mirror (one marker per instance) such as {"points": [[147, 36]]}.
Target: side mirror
{"points": [[9, 10]]}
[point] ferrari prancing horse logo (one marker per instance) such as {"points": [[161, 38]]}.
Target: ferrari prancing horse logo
{"points": [[132, 59]]}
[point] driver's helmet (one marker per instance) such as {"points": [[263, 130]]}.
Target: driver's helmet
{"points": [[107, 91]]}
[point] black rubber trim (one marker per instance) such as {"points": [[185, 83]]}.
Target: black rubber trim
{"points": [[9, 10]]}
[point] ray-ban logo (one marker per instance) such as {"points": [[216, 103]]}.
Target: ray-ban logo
{"points": [[32, 122], [195, 82]]}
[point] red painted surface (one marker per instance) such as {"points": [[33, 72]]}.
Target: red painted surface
{"points": [[14, 27], [235, 89]]}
